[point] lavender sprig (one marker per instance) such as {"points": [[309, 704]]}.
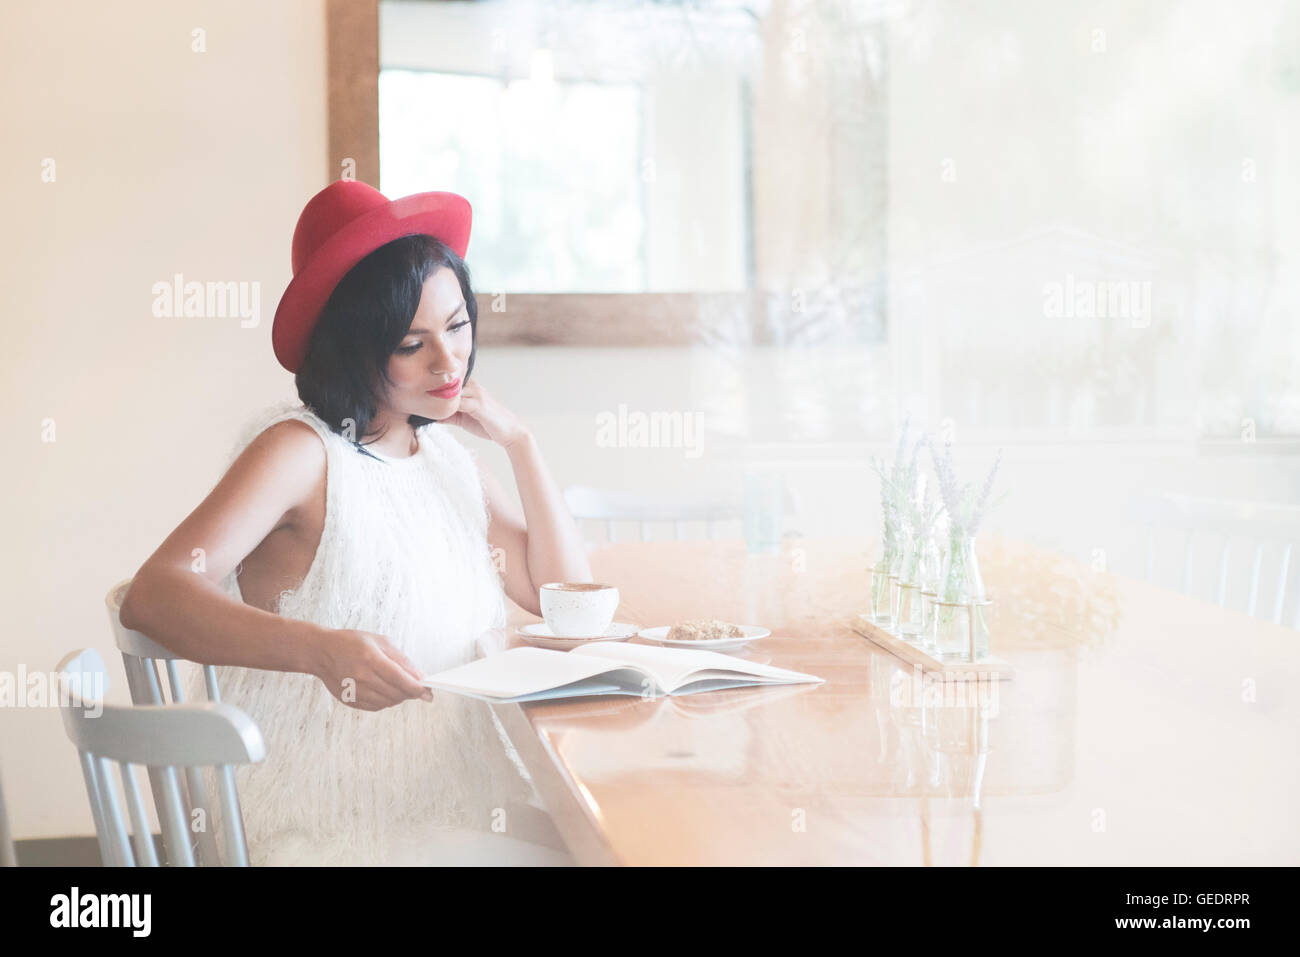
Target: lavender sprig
{"points": [[897, 488], [978, 511], [902, 441], [965, 506]]}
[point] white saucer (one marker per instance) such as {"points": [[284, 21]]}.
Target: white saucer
{"points": [[540, 634], [660, 636]]}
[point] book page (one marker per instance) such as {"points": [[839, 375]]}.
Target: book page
{"points": [[520, 671], [672, 667]]}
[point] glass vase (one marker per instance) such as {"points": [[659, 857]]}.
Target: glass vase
{"points": [[961, 632], [979, 625], [926, 638], [901, 572], [951, 629], [911, 612], [880, 572], [895, 603], [880, 594], [960, 579], [910, 616]]}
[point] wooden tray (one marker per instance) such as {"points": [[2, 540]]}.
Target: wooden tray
{"points": [[990, 667]]}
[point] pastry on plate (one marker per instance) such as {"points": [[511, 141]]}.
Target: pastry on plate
{"points": [[703, 629]]}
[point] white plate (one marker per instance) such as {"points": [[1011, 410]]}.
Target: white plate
{"points": [[660, 636], [540, 634]]}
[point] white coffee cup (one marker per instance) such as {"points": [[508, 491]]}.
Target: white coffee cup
{"points": [[578, 609]]}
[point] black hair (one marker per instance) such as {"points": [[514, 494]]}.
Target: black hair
{"points": [[369, 313]]}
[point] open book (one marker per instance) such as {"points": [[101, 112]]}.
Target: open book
{"points": [[533, 674]]}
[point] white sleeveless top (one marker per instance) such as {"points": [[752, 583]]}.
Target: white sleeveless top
{"points": [[403, 554]]}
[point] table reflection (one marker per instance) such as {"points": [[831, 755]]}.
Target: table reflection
{"points": [[1082, 757]]}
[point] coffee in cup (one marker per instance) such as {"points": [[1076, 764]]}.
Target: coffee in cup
{"points": [[578, 609]]}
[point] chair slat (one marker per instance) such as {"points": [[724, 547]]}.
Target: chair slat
{"points": [[197, 797], [141, 833], [1283, 577], [1252, 602], [210, 682], [171, 815], [232, 820], [151, 682], [174, 679], [1223, 572], [113, 814], [91, 776]]}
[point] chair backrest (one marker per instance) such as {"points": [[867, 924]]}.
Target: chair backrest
{"points": [[140, 654], [163, 738], [609, 506], [1268, 533], [140, 657]]}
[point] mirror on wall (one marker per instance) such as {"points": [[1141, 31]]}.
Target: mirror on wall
{"points": [[649, 147]]}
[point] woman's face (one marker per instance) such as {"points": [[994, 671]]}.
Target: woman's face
{"points": [[434, 353]]}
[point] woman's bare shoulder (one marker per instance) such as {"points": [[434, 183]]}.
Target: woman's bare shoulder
{"points": [[277, 480], [292, 447], [286, 462]]}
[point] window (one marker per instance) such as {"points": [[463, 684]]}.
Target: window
{"points": [[551, 168]]}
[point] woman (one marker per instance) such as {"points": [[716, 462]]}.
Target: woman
{"points": [[354, 546]]}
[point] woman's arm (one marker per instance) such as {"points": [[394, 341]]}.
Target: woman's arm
{"points": [[555, 549], [177, 600], [542, 544]]}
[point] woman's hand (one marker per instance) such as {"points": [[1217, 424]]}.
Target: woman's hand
{"points": [[481, 414], [366, 671]]}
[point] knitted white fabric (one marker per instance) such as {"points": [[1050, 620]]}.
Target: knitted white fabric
{"points": [[404, 554]]}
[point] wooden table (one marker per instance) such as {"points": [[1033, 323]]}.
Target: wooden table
{"points": [[1142, 727]]}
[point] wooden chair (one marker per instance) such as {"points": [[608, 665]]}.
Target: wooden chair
{"points": [[1200, 523], [163, 738], [140, 657]]}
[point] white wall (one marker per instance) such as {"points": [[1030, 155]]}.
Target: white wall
{"points": [[166, 161]]}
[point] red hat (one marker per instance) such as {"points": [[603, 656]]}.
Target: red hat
{"points": [[340, 226]]}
